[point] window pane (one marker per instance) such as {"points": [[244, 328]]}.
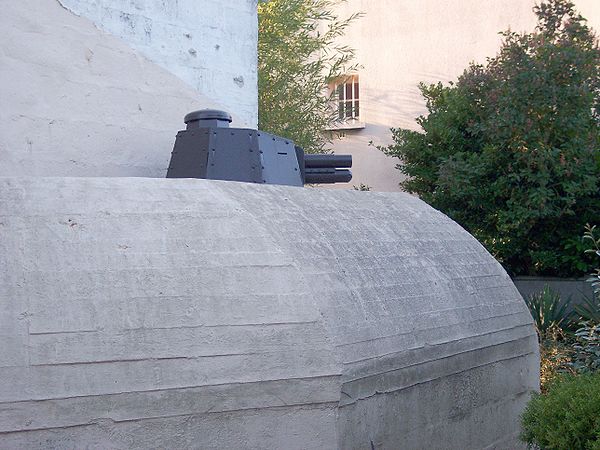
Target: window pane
{"points": [[347, 93]]}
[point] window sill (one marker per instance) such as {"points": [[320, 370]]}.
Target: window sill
{"points": [[352, 124]]}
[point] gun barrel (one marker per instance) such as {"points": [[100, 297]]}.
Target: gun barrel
{"points": [[322, 161], [327, 175]]}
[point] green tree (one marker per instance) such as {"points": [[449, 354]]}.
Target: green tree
{"points": [[298, 55], [511, 150]]}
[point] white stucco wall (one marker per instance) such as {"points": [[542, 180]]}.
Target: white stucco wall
{"points": [[209, 44], [77, 101], [400, 43]]}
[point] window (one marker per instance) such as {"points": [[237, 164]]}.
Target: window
{"points": [[345, 96], [348, 101]]}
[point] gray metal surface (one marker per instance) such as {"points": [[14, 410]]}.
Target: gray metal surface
{"points": [[189, 158], [209, 149], [279, 163], [207, 118]]}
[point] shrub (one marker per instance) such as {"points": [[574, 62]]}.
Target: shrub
{"points": [[552, 321], [510, 151], [590, 234], [567, 417], [548, 311], [586, 355], [589, 310], [562, 351]]}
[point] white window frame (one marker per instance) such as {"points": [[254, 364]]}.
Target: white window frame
{"points": [[345, 93]]}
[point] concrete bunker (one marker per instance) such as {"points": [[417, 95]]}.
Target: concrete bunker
{"points": [[153, 313]]}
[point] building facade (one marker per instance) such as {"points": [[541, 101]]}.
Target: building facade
{"points": [[400, 43]]}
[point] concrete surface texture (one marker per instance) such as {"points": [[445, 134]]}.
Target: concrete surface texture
{"points": [[400, 43], [77, 101], [155, 313], [209, 44]]}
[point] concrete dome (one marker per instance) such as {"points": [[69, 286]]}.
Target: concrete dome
{"points": [[153, 313]]}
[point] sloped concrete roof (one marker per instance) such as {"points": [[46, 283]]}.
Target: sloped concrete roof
{"points": [[147, 313]]}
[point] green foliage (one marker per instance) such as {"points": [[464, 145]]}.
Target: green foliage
{"points": [[566, 417], [586, 356], [298, 55], [561, 351], [549, 311], [510, 151], [590, 234], [569, 353], [590, 309]]}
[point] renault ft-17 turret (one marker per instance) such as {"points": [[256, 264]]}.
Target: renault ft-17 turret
{"points": [[209, 148]]}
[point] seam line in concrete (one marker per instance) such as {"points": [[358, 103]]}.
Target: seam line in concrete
{"points": [[448, 357], [179, 388], [389, 391]]}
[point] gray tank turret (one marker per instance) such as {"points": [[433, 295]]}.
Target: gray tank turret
{"points": [[209, 148]]}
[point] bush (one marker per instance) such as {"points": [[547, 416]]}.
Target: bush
{"points": [[592, 310], [589, 309], [567, 417], [590, 234], [586, 348], [510, 151], [552, 323], [549, 311], [563, 351], [569, 344]]}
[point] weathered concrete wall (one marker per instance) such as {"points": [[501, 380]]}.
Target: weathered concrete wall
{"points": [[209, 44], [400, 43], [77, 101], [155, 313], [568, 288]]}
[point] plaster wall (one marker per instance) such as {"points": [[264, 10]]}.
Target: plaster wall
{"points": [[400, 43], [209, 44], [160, 313], [78, 101]]}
